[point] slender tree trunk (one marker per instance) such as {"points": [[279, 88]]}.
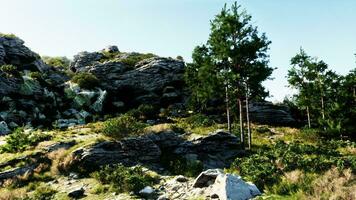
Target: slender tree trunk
{"points": [[322, 108], [308, 115], [248, 120], [242, 135], [227, 108]]}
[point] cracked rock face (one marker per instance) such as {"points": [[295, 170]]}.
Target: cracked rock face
{"points": [[13, 51], [217, 149]]}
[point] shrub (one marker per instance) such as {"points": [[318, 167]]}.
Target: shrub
{"points": [[122, 126], [199, 120], [19, 140], [133, 59], [181, 166], [56, 61], [11, 35], [86, 80], [144, 111], [124, 179], [43, 192], [266, 166], [9, 70]]}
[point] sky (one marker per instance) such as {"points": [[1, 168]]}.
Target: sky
{"points": [[324, 28]]}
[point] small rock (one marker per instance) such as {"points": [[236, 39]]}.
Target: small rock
{"points": [[181, 178], [73, 175], [4, 129], [76, 193], [148, 191]]}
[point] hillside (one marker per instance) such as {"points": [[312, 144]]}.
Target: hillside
{"points": [[117, 125]]}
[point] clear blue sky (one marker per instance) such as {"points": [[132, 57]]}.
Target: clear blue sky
{"points": [[324, 28]]}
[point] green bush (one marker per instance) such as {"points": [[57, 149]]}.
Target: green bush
{"points": [[20, 141], [144, 112], [133, 59], [36, 75], [199, 120], [122, 126], [11, 35], [85, 80], [266, 166], [178, 165], [56, 61], [9, 70], [124, 179], [43, 192]]}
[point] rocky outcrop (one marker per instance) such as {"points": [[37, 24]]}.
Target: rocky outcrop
{"points": [[152, 81], [52, 99], [210, 184], [271, 114], [14, 52], [217, 149], [129, 152]]}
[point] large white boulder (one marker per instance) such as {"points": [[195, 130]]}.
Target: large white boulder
{"points": [[232, 187]]}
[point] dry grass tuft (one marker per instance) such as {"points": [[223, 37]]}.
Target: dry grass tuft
{"points": [[7, 194], [61, 161], [335, 185]]}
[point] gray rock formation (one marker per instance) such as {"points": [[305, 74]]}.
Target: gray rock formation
{"points": [[14, 52], [130, 152], [217, 149], [269, 113]]}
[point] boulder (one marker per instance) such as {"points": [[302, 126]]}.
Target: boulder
{"points": [[232, 187], [129, 151], [14, 52], [85, 59], [147, 192], [4, 129], [76, 192], [111, 49], [271, 114]]}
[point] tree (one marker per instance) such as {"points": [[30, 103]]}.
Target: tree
{"points": [[235, 58]]}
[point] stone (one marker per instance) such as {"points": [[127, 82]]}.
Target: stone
{"points": [[181, 178], [147, 192], [99, 103], [232, 187], [85, 59], [76, 192], [112, 49], [270, 114], [129, 151], [4, 129], [207, 178]]}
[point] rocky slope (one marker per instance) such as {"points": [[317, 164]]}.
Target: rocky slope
{"points": [[51, 99]]}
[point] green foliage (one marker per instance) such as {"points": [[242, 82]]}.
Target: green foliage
{"points": [[86, 80], [56, 61], [199, 120], [134, 58], [11, 35], [122, 126], [36, 75], [181, 166], [43, 192], [234, 62], [20, 141], [265, 167], [124, 179], [144, 111], [180, 58], [9, 70]]}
